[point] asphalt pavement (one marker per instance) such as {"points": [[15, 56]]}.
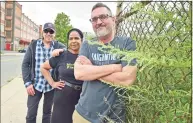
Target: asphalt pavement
{"points": [[10, 66]]}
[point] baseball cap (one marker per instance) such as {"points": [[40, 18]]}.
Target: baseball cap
{"points": [[49, 26]]}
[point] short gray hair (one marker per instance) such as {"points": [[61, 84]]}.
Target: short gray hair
{"points": [[98, 5]]}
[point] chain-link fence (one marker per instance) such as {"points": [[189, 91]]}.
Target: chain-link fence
{"points": [[163, 32]]}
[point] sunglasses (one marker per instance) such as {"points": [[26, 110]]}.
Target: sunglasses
{"points": [[48, 30]]}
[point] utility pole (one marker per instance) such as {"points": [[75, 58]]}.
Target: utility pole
{"points": [[118, 13]]}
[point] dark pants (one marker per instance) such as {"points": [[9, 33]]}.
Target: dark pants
{"points": [[64, 104], [32, 105]]}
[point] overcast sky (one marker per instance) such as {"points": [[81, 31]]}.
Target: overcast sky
{"points": [[79, 12]]}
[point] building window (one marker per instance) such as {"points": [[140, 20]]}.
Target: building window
{"points": [[9, 12], [2, 16], [2, 28], [3, 4], [24, 28], [8, 34], [25, 20], [8, 23], [21, 26]]}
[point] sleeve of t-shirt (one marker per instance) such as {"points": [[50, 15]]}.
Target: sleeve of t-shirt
{"points": [[130, 46], [84, 50], [53, 61]]}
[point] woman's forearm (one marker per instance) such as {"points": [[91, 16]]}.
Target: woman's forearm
{"points": [[47, 75]]}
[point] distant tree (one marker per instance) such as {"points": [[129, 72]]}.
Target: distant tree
{"points": [[62, 24]]}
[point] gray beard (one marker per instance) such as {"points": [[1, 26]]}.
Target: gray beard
{"points": [[101, 33]]}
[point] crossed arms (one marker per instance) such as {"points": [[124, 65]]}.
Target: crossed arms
{"points": [[112, 73]]}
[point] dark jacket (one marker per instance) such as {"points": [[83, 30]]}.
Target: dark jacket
{"points": [[28, 64]]}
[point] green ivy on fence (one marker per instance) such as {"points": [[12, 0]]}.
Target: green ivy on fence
{"points": [[162, 31]]}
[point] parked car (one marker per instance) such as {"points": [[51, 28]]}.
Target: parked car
{"points": [[22, 50]]}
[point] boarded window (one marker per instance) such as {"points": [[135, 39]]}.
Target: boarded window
{"points": [[9, 12], [8, 23], [8, 34]]}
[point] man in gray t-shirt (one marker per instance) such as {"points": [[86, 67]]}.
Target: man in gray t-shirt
{"points": [[98, 101]]}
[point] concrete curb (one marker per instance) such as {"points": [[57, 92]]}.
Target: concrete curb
{"points": [[12, 54]]}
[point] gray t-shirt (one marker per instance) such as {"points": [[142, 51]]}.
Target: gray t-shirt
{"points": [[97, 98]]}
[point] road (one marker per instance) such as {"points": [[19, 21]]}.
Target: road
{"points": [[10, 67]]}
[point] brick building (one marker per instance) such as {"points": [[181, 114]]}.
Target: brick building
{"points": [[19, 29], [40, 31], [29, 31], [13, 24], [2, 21]]}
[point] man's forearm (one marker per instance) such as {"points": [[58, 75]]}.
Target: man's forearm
{"points": [[91, 72], [121, 78]]}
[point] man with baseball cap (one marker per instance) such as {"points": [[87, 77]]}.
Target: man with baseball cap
{"points": [[38, 52], [49, 26]]}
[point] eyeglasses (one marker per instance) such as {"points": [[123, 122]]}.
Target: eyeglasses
{"points": [[101, 17], [48, 30], [75, 38]]}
